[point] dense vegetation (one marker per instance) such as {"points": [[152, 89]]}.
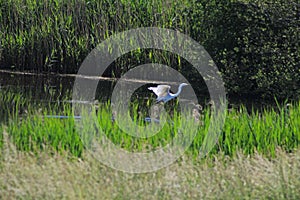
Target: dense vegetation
{"points": [[246, 131], [256, 46], [254, 43]]}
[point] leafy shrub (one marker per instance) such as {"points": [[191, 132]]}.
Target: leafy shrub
{"points": [[255, 45]]}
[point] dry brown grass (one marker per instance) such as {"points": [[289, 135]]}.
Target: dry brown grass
{"points": [[27, 176]]}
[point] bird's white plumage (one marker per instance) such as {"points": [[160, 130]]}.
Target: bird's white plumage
{"points": [[161, 90]]}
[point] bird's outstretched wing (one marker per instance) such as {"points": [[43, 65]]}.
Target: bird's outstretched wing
{"points": [[161, 90]]}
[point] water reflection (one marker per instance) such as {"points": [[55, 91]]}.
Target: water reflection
{"points": [[48, 87], [54, 88]]}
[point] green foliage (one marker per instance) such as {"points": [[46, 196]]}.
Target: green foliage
{"points": [[10, 104], [56, 35], [244, 131], [254, 43]]}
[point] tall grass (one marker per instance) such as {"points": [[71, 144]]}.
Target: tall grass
{"points": [[237, 176], [10, 104], [244, 131], [262, 131], [56, 35], [25, 176]]}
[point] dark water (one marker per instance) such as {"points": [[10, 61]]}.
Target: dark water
{"points": [[55, 88], [51, 93], [46, 87]]}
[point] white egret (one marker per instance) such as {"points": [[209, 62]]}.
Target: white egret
{"points": [[163, 92]]}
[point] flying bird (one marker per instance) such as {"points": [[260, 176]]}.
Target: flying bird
{"points": [[163, 92]]}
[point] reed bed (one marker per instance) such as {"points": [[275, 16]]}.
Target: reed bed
{"points": [[246, 131], [56, 35]]}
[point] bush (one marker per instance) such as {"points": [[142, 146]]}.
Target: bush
{"points": [[255, 45]]}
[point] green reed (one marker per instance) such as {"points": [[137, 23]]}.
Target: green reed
{"points": [[56, 35], [244, 130], [10, 104]]}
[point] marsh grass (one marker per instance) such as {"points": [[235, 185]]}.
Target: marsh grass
{"points": [[256, 156], [244, 131], [56, 35], [10, 104]]}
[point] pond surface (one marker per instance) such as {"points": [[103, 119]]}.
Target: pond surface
{"points": [[48, 87], [57, 88], [54, 90], [53, 87]]}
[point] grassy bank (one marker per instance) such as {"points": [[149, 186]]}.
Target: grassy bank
{"points": [[24, 176]]}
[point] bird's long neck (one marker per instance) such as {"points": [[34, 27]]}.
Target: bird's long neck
{"points": [[178, 92]]}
